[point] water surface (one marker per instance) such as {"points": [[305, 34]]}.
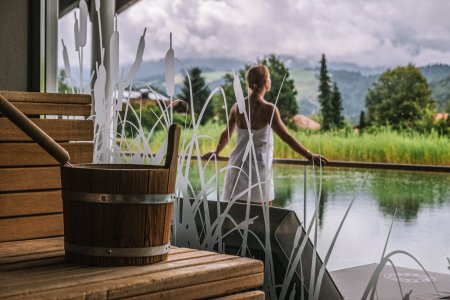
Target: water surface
{"points": [[421, 224]]}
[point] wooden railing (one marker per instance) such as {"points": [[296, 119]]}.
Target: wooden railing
{"points": [[364, 165]]}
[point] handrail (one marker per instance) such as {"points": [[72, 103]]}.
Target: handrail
{"points": [[354, 164], [364, 165]]}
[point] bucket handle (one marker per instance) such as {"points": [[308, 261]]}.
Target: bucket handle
{"points": [[173, 142], [34, 132]]}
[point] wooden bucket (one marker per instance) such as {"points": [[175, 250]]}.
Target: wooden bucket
{"points": [[117, 215]]}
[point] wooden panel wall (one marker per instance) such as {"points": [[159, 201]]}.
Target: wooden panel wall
{"points": [[30, 196]]}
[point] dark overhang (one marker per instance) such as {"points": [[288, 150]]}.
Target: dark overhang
{"points": [[65, 6]]}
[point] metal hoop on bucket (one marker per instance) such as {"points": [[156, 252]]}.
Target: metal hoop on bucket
{"points": [[117, 252], [118, 198]]}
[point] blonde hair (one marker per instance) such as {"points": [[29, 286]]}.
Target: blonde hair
{"points": [[257, 77]]}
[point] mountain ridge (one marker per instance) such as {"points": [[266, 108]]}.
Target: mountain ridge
{"points": [[353, 81]]}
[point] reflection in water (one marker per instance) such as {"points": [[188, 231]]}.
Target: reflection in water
{"points": [[323, 201], [391, 190], [407, 192]]}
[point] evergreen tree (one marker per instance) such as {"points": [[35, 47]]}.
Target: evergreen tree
{"points": [[326, 108], [200, 93], [336, 105], [362, 121], [63, 86]]}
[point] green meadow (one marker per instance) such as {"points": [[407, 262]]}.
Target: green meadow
{"points": [[384, 145]]}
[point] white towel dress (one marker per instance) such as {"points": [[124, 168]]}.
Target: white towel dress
{"points": [[237, 180]]}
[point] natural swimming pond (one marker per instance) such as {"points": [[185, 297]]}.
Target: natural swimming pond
{"points": [[421, 224]]}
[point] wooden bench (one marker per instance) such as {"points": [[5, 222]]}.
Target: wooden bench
{"points": [[32, 263]]}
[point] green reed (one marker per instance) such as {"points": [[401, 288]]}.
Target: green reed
{"points": [[383, 145]]}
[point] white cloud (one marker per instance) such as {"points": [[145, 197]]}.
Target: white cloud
{"points": [[367, 32]]}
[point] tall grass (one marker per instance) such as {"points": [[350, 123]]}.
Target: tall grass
{"points": [[384, 145]]}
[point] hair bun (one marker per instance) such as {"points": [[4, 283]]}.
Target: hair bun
{"points": [[256, 77]]}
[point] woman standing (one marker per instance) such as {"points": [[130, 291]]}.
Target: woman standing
{"points": [[263, 118]]}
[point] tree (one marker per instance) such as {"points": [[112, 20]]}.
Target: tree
{"points": [[336, 106], [200, 93], [287, 102], [227, 86], [63, 86], [137, 116], [447, 107], [362, 121], [401, 97], [326, 107]]}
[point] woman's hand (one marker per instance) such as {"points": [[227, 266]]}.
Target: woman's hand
{"points": [[209, 154], [317, 159]]}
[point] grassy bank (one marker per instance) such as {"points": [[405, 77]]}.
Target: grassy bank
{"points": [[383, 146]]}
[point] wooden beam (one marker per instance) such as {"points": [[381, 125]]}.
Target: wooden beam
{"points": [[250, 295], [29, 179], [31, 247], [34, 97], [28, 108], [23, 228], [59, 130], [30, 203], [31, 154], [358, 164], [211, 289]]}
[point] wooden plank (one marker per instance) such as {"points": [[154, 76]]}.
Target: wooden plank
{"points": [[59, 130], [210, 289], [49, 262], [178, 287], [22, 248], [174, 250], [13, 96], [95, 280], [28, 179], [188, 276], [57, 275], [31, 154], [250, 295], [27, 264], [31, 258], [43, 271], [30, 203], [17, 278], [29, 108], [22, 228]]}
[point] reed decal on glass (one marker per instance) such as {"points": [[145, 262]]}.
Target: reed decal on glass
{"points": [[193, 225]]}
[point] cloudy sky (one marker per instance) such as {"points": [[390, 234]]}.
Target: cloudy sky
{"points": [[366, 32]]}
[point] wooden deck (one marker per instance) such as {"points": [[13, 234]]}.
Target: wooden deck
{"points": [[36, 269]]}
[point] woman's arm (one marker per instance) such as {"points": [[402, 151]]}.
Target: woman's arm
{"points": [[281, 130], [226, 134]]}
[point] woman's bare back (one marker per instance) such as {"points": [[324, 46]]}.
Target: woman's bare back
{"points": [[260, 113]]}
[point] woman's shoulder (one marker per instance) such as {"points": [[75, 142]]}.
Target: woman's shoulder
{"points": [[268, 106]]}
